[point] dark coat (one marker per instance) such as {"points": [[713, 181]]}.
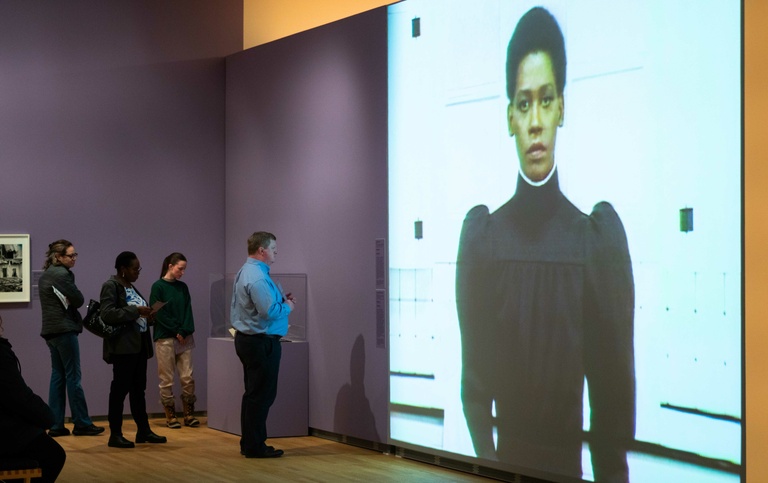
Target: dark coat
{"points": [[57, 319], [116, 311], [545, 297], [23, 414]]}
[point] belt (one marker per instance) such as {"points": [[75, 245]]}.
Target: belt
{"points": [[262, 335]]}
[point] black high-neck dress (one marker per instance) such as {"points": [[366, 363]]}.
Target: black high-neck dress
{"points": [[545, 297]]}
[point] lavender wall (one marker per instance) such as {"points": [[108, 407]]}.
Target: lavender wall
{"points": [[306, 140], [112, 135]]}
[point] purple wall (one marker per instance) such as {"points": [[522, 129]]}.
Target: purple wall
{"points": [[112, 135], [306, 141]]}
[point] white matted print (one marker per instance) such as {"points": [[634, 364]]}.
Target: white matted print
{"points": [[14, 268]]}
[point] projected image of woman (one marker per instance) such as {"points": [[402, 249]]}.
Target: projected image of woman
{"points": [[545, 295]]}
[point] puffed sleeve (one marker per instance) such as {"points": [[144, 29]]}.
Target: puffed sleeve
{"points": [[475, 321], [609, 345]]}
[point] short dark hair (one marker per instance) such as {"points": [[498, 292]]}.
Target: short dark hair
{"points": [[537, 31], [259, 239], [124, 260]]}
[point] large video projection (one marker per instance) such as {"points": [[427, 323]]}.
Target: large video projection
{"points": [[565, 253]]}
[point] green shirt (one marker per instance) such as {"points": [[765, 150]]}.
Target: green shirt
{"points": [[175, 317]]}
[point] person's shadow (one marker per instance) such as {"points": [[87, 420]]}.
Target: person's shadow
{"points": [[353, 415]]}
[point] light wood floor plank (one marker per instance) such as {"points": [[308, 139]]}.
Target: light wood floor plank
{"points": [[207, 455]]}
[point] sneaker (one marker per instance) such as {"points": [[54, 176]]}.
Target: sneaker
{"points": [[55, 433], [88, 430]]}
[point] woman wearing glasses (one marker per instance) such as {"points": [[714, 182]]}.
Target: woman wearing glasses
{"points": [[59, 299], [127, 351]]}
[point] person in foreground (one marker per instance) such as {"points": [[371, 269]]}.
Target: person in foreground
{"points": [[174, 326], [24, 417], [259, 314], [545, 295], [59, 300], [128, 351]]}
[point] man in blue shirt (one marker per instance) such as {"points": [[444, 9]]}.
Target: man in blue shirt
{"points": [[259, 314]]}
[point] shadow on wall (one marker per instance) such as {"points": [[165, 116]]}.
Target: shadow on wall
{"points": [[353, 415]]}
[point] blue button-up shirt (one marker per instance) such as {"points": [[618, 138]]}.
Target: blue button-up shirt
{"points": [[257, 303]]}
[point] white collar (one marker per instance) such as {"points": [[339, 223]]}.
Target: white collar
{"points": [[543, 181]]}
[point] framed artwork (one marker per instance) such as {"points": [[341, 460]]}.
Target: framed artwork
{"points": [[14, 268]]}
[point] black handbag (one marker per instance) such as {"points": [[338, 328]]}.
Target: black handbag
{"points": [[93, 323]]}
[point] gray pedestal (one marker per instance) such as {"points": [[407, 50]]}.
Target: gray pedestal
{"points": [[289, 415]]}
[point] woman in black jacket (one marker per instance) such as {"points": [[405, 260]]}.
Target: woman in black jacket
{"points": [[128, 351], [59, 300], [24, 417]]}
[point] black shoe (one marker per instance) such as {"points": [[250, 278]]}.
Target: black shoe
{"points": [[55, 433], [119, 442], [87, 430], [150, 437], [269, 452], [269, 448]]}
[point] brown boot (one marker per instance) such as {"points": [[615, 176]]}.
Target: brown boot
{"points": [[170, 417], [189, 411]]}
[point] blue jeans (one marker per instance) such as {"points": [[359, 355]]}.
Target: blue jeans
{"points": [[65, 380]]}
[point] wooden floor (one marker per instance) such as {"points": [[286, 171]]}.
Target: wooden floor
{"points": [[203, 454]]}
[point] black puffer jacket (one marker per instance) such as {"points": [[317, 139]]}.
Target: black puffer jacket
{"points": [[57, 319]]}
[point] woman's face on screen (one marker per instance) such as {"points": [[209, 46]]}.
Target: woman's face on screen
{"points": [[535, 114]]}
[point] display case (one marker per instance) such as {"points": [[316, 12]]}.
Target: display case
{"points": [[289, 283], [289, 415]]}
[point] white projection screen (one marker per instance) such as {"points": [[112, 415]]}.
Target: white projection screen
{"points": [[595, 320]]}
